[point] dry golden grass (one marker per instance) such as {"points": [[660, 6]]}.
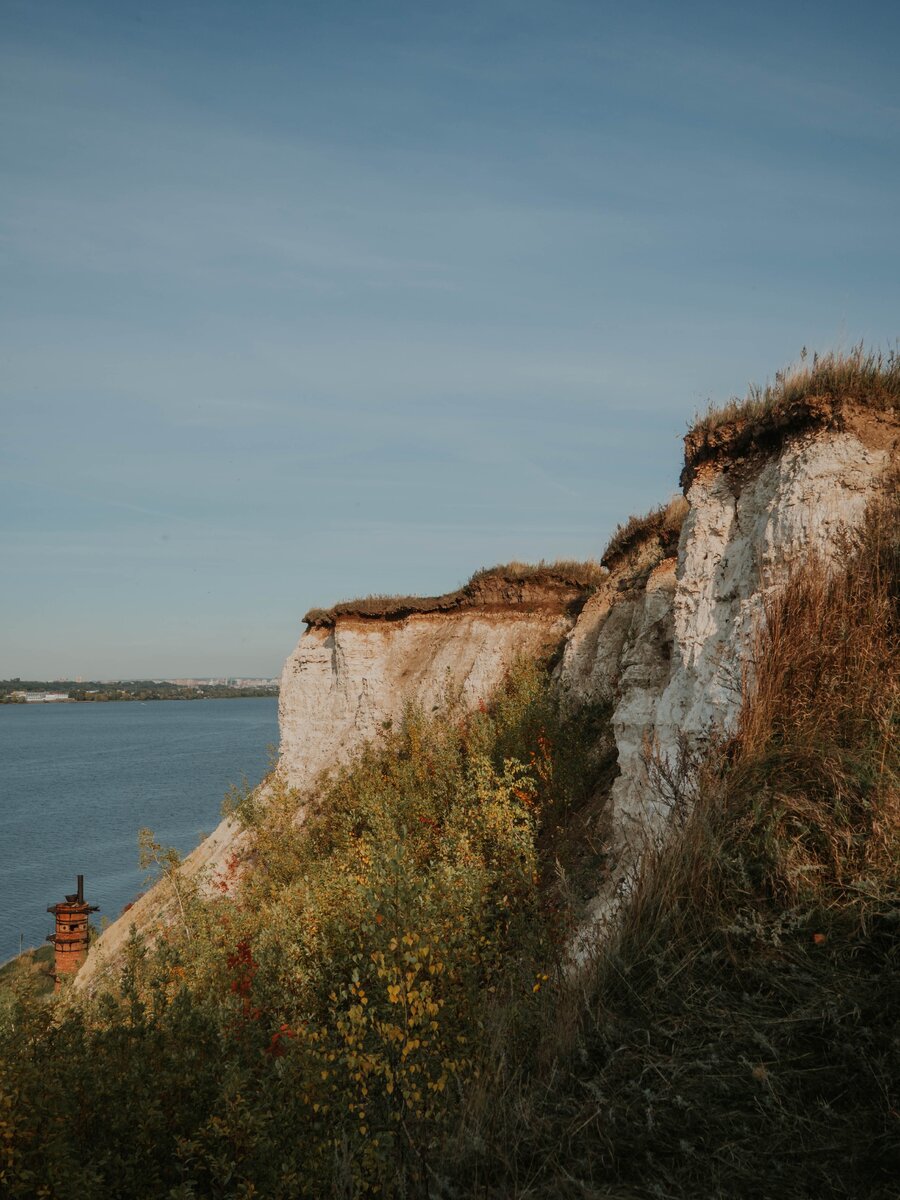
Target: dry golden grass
{"points": [[819, 727], [738, 1036], [865, 377], [662, 523]]}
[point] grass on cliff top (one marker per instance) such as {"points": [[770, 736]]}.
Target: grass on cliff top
{"points": [[865, 377], [568, 573], [663, 523]]}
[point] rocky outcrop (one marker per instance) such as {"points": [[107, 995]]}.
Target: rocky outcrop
{"points": [[674, 656], [343, 683]]}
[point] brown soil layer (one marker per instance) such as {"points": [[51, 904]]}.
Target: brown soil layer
{"points": [[656, 535], [763, 436], [558, 587]]}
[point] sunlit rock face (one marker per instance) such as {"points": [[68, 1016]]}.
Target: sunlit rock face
{"points": [[673, 659], [341, 685]]}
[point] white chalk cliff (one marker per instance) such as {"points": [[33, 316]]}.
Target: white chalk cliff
{"points": [[342, 683], [664, 637], [671, 649]]}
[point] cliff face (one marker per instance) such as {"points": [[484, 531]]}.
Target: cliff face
{"points": [[665, 635], [352, 672], [342, 684], [671, 652]]}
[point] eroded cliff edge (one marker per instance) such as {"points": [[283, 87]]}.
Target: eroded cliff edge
{"points": [[663, 634]]}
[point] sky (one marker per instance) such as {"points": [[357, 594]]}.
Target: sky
{"points": [[304, 301]]}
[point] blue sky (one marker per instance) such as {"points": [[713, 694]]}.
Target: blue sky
{"points": [[303, 301]]}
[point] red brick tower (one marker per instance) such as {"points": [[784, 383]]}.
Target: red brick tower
{"points": [[70, 941]]}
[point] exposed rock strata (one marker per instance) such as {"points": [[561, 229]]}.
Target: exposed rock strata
{"points": [[342, 684]]}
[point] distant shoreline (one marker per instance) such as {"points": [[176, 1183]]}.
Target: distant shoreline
{"points": [[141, 692]]}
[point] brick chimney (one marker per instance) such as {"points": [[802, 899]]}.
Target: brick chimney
{"points": [[70, 941]]}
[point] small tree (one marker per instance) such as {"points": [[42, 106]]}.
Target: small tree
{"points": [[153, 856]]}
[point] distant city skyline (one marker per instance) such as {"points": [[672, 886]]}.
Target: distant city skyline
{"points": [[303, 302]]}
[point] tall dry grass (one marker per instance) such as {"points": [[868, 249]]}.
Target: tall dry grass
{"points": [[818, 730], [867, 377], [663, 523], [739, 1035]]}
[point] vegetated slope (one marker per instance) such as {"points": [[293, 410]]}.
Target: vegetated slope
{"points": [[311, 1029], [352, 673], [739, 1034], [32, 968], [341, 1015]]}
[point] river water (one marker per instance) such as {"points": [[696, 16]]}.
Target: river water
{"points": [[77, 782]]}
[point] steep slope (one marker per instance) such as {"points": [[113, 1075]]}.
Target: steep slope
{"points": [[672, 647], [354, 670]]}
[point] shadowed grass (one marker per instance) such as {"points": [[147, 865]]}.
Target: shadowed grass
{"points": [[738, 1037]]}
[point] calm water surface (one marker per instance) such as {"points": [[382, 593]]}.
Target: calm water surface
{"points": [[77, 782]]}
